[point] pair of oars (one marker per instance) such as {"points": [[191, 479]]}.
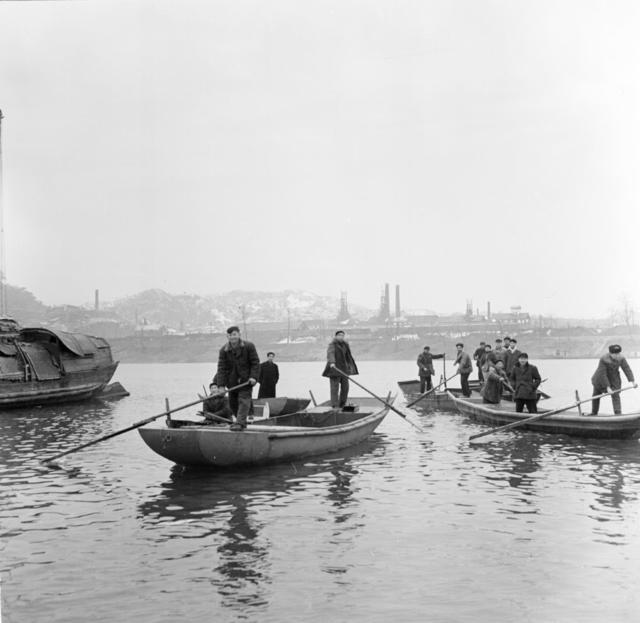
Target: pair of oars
{"points": [[433, 389], [382, 400], [166, 412], [540, 416]]}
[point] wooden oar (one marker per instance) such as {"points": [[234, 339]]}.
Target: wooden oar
{"points": [[382, 400], [140, 423], [433, 389], [539, 416]]}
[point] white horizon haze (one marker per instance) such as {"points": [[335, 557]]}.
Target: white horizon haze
{"points": [[476, 150]]}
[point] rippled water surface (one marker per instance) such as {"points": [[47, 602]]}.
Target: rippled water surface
{"points": [[409, 526]]}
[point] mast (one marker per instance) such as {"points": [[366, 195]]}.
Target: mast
{"points": [[3, 290]]}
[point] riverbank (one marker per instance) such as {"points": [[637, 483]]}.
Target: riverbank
{"points": [[204, 348]]}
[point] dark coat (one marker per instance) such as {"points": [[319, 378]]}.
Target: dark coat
{"points": [[607, 373], [512, 360], [269, 377], [493, 382], [339, 353], [465, 365], [477, 355], [500, 355], [425, 363], [237, 365], [525, 380]]}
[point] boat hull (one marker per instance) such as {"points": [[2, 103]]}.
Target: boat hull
{"points": [[570, 423], [73, 387], [219, 447]]}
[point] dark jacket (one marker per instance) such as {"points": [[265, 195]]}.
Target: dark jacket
{"points": [[465, 365], [608, 373], [237, 365], [525, 380], [340, 354], [425, 363], [269, 377], [512, 360], [500, 355], [493, 383], [477, 355]]}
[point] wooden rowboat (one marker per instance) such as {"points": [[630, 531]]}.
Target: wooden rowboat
{"points": [[440, 400], [626, 426], [284, 438]]}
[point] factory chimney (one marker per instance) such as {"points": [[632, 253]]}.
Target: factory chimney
{"points": [[398, 312], [96, 304], [488, 310], [387, 303]]}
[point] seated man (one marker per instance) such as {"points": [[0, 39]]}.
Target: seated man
{"points": [[216, 405]]}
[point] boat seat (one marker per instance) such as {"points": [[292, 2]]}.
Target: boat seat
{"points": [[320, 409]]}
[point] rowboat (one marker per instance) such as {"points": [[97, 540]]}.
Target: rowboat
{"points": [[440, 400], [626, 426], [318, 430]]}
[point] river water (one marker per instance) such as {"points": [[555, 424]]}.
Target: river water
{"points": [[409, 526]]}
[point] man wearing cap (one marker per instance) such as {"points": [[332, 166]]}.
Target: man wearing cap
{"points": [[269, 377], [513, 356], [465, 368], [494, 380], [477, 357], [499, 353], [607, 375], [425, 368], [238, 363], [217, 405], [525, 379], [339, 359]]}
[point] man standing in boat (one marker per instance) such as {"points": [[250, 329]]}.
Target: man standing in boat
{"points": [[525, 379], [269, 377], [465, 368], [339, 357], [608, 375], [425, 368], [238, 363], [477, 357], [513, 356]]}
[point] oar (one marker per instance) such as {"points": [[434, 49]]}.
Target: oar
{"points": [[433, 389], [539, 416], [382, 400], [140, 423]]}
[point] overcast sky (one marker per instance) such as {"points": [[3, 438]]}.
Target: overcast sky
{"points": [[463, 149]]}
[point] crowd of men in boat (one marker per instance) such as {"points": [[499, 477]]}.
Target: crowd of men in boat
{"points": [[500, 367]]}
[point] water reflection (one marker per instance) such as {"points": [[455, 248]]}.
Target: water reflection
{"points": [[227, 507]]}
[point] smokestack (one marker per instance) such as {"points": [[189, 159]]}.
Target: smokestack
{"points": [[398, 302], [488, 310], [387, 302], [96, 304]]}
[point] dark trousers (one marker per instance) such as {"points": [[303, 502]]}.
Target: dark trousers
{"points": [[480, 375], [464, 383], [425, 383], [240, 404], [339, 391], [615, 399], [530, 403]]}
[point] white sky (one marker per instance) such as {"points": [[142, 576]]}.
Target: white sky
{"points": [[485, 150]]}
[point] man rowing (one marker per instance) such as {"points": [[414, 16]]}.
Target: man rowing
{"points": [[425, 367], [465, 367], [607, 375], [495, 379], [339, 359], [238, 363]]}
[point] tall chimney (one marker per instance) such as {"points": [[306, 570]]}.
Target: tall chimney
{"points": [[387, 302], [398, 313], [488, 310], [97, 300]]}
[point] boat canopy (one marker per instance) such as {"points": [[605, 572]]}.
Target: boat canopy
{"points": [[78, 343]]}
